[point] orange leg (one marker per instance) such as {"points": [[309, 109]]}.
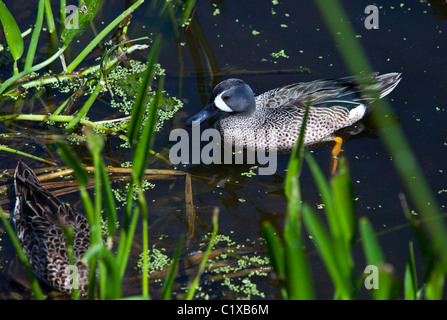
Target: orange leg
{"points": [[335, 152]]}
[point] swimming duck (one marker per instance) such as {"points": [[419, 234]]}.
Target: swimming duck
{"points": [[38, 219], [273, 119]]}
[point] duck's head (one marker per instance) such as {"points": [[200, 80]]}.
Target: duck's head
{"points": [[232, 96]]}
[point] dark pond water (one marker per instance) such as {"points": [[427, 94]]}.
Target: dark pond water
{"points": [[237, 39]]}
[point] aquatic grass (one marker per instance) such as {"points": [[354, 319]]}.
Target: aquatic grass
{"points": [[67, 37], [35, 286], [398, 147], [35, 35], [288, 257], [394, 140], [411, 291], [169, 281], [334, 245], [194, 284], [334, 241], [140, 135], [12, 34], [11, 150], [115, 266], [86, 107], [106, 267], [62, 14], [387, 284]]}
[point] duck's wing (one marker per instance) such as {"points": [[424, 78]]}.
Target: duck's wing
{"points": [[346, 92], [39, 207], [38, 219]]}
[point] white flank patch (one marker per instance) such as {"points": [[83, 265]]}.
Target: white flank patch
{"points": [[358, 112], [221, 104]]}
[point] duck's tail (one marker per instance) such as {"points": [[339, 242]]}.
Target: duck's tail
{"points": [[386, 83]]}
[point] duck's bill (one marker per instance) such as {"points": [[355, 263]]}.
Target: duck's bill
{"points": [[207, 112]]}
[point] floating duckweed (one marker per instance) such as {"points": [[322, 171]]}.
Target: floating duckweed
{"points": [[232, 270], [105, 226], [279, 54], [125, 91], [250, 173], [121, 193], [157, 260], [255, 33]]}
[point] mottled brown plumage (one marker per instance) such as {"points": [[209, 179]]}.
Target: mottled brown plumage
{"points": [[39, 218]]}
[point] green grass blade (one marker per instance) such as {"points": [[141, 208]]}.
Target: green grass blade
{"points": [[25, 263], [410, 278], [95, 232], [195, 282], [275, 249], [142, 150], [188, 9], [386, 287], [35, 68], [343, 194], [12, 34], [371, 246], [53, 40], [275, 252], [35, 36], [297, 269], [326, 194], [435, 283], [7, 149], [139, 107], [51, 26], [337, 198], [86, 107], [169, 280], [109, 201], [325, 247], [68, 36], [141, 144], [62, 15], [295, 161], [111, 280], [72, 161], [394, 139], [85, 17]]}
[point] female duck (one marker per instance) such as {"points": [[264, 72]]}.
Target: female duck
{"points": [[39, 218]]}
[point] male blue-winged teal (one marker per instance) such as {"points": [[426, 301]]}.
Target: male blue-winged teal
{"points": [[273, 119], [39, 218]]}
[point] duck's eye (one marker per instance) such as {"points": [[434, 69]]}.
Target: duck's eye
{"points": [[225, 98]]}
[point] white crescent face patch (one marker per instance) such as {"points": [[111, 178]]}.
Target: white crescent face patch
{"points": [[218, 101]]}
